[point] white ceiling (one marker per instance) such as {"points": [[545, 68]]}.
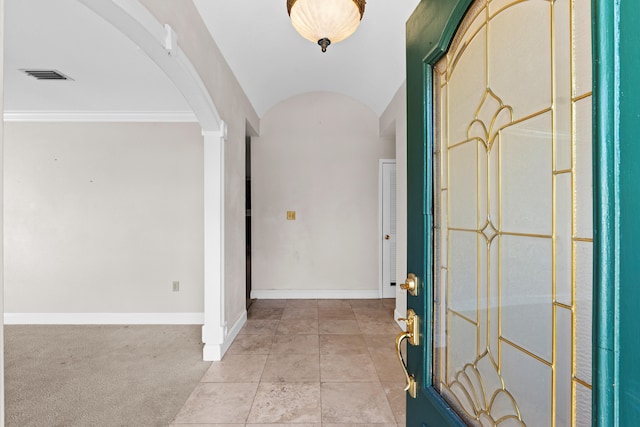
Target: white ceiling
{"points": [[110, 73], [271, 61]]}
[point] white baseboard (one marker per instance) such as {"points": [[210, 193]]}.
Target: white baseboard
{"points": [[215, 352], [234, 331], [103, 318], [315, 294]]}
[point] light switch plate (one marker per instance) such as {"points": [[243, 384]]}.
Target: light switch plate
{"points": [[291, 215]]}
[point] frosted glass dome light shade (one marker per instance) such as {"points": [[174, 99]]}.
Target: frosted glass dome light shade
{"points": [[325, 21]]}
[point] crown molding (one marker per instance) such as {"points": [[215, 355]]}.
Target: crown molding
{"points": [[100, 116]]}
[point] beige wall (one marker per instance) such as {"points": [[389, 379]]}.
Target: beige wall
{"points": [[102, 217], [236, 110], [317, 154], [394, 121]]}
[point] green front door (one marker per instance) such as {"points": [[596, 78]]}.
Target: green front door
{"points": [[429, 32], [501, 236]]}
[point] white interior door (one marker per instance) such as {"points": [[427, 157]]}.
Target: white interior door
{"points": [[388, 232]]}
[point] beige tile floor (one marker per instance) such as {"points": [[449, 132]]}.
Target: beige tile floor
{"points": [[304, 363]]}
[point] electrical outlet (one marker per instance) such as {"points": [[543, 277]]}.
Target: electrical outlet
{"points": [[176, 286]]}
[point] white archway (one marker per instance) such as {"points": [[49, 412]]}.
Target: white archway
{"points": [[160, 43]]}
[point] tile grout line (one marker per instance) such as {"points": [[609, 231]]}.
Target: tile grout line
{"points": [[320, 376], [262, 372], [370, 353]]}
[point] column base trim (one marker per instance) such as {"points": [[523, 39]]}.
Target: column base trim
{"points": [[215, 352]]}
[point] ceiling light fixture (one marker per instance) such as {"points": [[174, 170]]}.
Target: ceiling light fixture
{"points": [[325, 21]]}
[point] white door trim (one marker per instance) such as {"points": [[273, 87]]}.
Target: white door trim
{"points": [[381, 231]]}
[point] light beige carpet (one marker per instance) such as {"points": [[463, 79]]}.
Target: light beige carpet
{"points": [[99, 375]]}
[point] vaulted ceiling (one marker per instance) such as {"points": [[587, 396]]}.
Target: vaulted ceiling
{"points": [[271, 61]]}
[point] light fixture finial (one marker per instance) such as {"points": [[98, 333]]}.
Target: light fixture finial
{"points": [[324, 42]]}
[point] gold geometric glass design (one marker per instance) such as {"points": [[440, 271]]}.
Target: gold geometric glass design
{"points": [[513, 235]]}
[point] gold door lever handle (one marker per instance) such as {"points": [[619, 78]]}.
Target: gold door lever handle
{"points": [[411, 381], [412, 336], [411, 284]]}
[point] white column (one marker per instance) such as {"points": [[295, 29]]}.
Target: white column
{"points": [[214, 329]]}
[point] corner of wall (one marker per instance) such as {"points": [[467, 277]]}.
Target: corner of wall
{"points": [[392, 112]]}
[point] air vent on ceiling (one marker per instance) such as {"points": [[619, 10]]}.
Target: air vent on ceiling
{"points": [[47, 74]]}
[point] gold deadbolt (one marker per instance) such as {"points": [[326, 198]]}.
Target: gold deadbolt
{"points": [[411, 284], [413, 337]]}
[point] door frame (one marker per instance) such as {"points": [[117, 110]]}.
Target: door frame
{"points": [[616, 169], [381, 164], [616, 162]]}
